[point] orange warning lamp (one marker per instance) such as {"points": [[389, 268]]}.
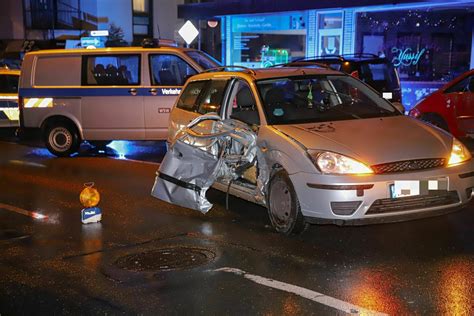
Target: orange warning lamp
{"points": [[89, 197]]}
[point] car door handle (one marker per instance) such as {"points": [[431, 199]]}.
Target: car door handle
{"points": [[133, 91], [153, 91]]}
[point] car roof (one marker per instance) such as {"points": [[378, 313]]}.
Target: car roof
{"points": [[110, 50], [266, 73], [343, 58]]}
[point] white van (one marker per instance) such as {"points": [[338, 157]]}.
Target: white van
{"points": [[99, 95]]}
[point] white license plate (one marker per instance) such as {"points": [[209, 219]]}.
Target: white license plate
{"points": [[405, 188]]}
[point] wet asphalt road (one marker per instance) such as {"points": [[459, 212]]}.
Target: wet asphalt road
{"points": [[130, 262]]}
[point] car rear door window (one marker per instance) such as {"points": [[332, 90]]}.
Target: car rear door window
{"points": [[111, 70], [190, 96], [462, 86], [169, 70], [212, 98]]}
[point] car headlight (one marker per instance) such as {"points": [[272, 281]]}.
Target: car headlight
{"points": [[459, 153], [332, 163]]}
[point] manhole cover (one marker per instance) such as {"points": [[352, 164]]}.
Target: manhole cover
{"points": [[7, 234], [166, 259]]}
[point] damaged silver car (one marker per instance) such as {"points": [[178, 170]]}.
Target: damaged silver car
{"points": [[312, 146]]}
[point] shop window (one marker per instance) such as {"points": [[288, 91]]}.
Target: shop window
{"points": [[330, 21], [330, 34], [188, 99], [266, 40], [111, 70], [169, 70], [424, 45]]}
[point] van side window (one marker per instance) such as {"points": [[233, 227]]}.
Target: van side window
{"points": [[111, 70], [169, 70], [9, 84], [213, 96], [189, 97]]}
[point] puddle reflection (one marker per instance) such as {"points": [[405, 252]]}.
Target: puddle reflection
{"points": [[376, 290], [456, 287], [92, 242]]}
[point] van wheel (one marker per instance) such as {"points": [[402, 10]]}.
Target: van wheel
{"points": [[283, 205], [62, 139]]}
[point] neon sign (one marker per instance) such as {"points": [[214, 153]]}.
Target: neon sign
{"points": [[406, 57]]}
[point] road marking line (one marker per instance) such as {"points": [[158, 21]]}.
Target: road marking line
{"points": [[137, 161], [303, 292], [21, 211], [27, 163]]}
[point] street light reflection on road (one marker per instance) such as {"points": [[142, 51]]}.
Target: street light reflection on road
{"points": [[456, 287], [121, 147], [376, 290]]}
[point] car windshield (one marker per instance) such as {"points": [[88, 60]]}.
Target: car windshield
{"points": [[309, 99], [203, 59]]}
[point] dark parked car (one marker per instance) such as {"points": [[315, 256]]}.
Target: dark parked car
{"points": [[451, 107], [375, 71]]}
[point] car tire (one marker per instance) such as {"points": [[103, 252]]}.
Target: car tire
{"points": [[62, 139], [283, 205], [99, 143], [435, 120]]}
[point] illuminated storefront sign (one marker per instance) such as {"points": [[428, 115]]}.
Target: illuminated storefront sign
{"points": [[406, 57], [268, 23]]}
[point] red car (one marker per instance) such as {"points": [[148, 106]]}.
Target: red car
{"points": [[451, 107]]}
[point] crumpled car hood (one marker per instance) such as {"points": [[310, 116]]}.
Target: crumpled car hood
{"points": [[373, 141]]}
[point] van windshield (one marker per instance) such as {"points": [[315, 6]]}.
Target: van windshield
{"points": [[310, 99], [203, 59]]}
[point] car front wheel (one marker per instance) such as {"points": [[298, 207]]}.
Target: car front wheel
{"points": [[283, 205], [62, 139]]}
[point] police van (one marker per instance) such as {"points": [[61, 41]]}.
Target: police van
{"points": [[100, 95], [9, 97]]}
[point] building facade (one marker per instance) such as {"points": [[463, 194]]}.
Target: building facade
{"points": [[39, 24], [430, 42]]}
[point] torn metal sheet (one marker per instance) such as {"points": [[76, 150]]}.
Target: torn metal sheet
{"points": [[195, 161], [185, 175]]}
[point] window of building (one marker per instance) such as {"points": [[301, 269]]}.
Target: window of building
{"points": [[169, 70], [111, 70], [142, 20], [141, 6], [266, 40], [330, 34], [424, 45]]}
